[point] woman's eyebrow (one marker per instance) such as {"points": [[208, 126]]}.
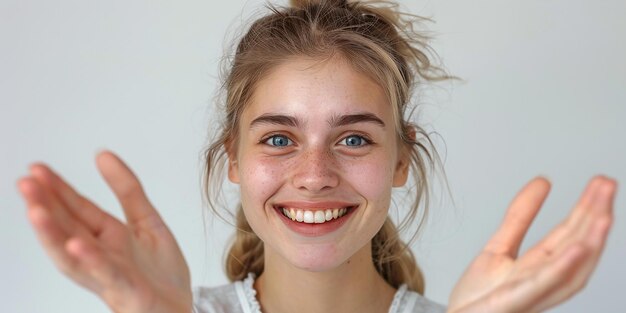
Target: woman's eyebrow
{"points": [[277, 119], [343, 120], [335, 121]]}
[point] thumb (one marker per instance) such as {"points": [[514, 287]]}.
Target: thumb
{"points": [[127, 188], [519, 217]]}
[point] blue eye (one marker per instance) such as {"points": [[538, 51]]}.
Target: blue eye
{"points": [[355, 141], [278, 141]]}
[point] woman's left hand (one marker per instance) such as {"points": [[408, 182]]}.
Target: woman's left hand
{"points": [[499, 280]]}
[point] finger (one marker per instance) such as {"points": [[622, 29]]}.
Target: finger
{"points": [[596, 203], [596, 241], [59, 246], [519, 217], [600, 206], [93, 217], [96, 264], [52, 229], [52, 238], [127, 189], [596, 235], [586, 201], [38, 196]]}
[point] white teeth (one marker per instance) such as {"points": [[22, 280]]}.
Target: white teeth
{"points": [[320, 217], [310, 217], [328, 215]]}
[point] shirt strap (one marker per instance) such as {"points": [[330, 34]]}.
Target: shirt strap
{"points": [[241, 295]]}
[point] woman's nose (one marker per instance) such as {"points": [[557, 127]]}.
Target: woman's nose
{"points": [[316, 171]]}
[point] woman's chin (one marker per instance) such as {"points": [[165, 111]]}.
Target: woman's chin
{"points": [[317, 258]]}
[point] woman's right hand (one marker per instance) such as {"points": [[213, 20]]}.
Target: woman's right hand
{"points": [[135, 266]]}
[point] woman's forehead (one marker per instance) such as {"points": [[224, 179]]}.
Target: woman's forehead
{"points": [[309, 89]]}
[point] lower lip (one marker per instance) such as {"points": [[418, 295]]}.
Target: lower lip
{"points": [[315, 229]]}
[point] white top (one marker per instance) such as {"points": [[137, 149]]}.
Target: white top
{"points": [[240, 297]]}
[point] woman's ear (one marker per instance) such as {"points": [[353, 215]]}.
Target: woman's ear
{"points": [[233, 166], [401, 172]]}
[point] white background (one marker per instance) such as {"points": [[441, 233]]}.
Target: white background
{"points": [[544, 93]]}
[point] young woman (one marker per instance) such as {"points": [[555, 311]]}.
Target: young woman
{"points": [[316, 133]]}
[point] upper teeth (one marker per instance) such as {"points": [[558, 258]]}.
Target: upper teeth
{"points": [[309, 217]]}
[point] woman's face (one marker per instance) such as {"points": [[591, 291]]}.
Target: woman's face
{"points": [[316, 159]]}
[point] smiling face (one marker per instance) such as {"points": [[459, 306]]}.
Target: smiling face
{"points": [[316, 159]]}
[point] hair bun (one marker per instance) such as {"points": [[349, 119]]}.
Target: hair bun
{"points": [[305, 3]]}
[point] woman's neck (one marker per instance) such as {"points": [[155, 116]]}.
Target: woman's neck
{"points": [[354, 286]]}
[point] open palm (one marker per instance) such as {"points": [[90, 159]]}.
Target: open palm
{"points": [[135, 266], [499, 280]]}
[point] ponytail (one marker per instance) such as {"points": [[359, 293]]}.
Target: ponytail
{"points": [[394, 259], [246, 253]]}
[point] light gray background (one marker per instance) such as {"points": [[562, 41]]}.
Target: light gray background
{"points": [[544, 94]]}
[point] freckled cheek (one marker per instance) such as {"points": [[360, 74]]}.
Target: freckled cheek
{"points": [[371, 178], [260, 179]]}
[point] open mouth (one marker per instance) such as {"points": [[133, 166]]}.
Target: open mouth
{"points": [[315, 216]]}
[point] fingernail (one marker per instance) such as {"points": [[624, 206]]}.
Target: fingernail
{"points": [[545, 177], [100, 150]]}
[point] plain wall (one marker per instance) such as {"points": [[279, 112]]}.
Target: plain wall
{"points": [[544, 87]]}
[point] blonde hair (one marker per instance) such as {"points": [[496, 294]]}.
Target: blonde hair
{"points": [[377, 41]]}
